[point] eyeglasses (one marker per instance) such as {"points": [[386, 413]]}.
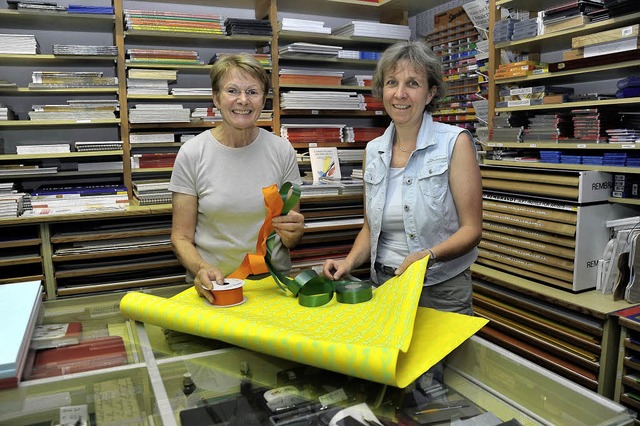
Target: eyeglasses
{"points": [[234, 93]]}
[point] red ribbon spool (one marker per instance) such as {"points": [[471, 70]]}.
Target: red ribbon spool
{"points": [[229, 293]]}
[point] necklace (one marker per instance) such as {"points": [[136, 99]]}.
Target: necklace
{"points": [[401, 148]]}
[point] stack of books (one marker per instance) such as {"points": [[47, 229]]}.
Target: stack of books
{"points": [[315, 77], [303, 25], [358, 80], [373, 29], [206, 114], [163, 56], [156, 20], [257, 27], [77, 111], [533, 95], [147, 86], [152, 191], [150, 138], [325, 100], [88, 146], [371, 103], [590, 124], [6, 113], [362, 134], [350, 155], [159, 113], [71, 79], [556, 127], [153, 74], [47, 200], [153, 160], [13, 203], [81, 49], [306, 49], [312, 133]]}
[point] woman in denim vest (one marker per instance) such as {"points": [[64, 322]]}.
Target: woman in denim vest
{"points": [[422, 184]]}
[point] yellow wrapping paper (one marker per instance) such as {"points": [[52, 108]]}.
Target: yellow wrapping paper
{"points": [[386, 340]]}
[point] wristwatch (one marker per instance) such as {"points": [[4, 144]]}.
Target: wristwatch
{"points": [[432, 258]]}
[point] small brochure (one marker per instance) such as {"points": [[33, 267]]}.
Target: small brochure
{"points": [[324, 163]]}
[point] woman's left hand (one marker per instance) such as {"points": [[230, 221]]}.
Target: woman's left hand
{"points": [[289, 227]]}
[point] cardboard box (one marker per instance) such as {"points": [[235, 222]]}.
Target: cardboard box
{"points": [[606, 36], [611, 47]]}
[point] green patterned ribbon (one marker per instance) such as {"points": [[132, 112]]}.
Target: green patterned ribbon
{"points": [[308, 286]]}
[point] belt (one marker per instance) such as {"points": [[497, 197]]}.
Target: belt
{"points": [[384, 269]]}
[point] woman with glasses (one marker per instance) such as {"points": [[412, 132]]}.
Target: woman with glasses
{"points": [[218, 176]]}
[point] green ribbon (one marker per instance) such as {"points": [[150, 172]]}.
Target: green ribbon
{"points": [[311, 289]]}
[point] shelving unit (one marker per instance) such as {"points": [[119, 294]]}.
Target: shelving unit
{"points": [[566, 328], [66, 276], [627, 390]]}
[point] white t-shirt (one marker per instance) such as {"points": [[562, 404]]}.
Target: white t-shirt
{"points": [[228, 183]]}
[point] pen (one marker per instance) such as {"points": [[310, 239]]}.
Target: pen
{"points": [[438, 409]]}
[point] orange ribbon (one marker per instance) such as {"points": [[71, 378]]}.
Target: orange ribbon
{"points": [[254, 263]]}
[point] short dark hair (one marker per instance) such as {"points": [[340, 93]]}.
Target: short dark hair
{"points": [[240, 61], [421, 57]]}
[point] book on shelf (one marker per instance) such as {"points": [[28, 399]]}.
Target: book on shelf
{"points": [[152, 138], [324, 163], [19, 307]]}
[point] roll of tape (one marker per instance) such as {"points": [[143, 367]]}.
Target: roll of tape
{"points": [[353, 291], [228, 293]]}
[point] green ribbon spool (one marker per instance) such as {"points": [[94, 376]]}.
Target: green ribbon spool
{"points": [[311, 289], [353, 291]]}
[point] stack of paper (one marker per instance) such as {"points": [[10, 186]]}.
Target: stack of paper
{"points": [[23, 44], [374, 29], [145, 86], [304, 49], [303, 25], [192, 91]]}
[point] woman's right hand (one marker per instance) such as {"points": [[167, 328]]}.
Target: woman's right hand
{"points": [[203, 281], [336, 269]]}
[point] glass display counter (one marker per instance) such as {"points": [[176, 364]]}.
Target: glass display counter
{"points": [[170, 378]]}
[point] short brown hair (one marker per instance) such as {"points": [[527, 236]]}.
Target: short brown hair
{"points": [[418, 55], [240, 61]]}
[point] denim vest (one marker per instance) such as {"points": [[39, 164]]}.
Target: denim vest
{"points": [[430, 215]]}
